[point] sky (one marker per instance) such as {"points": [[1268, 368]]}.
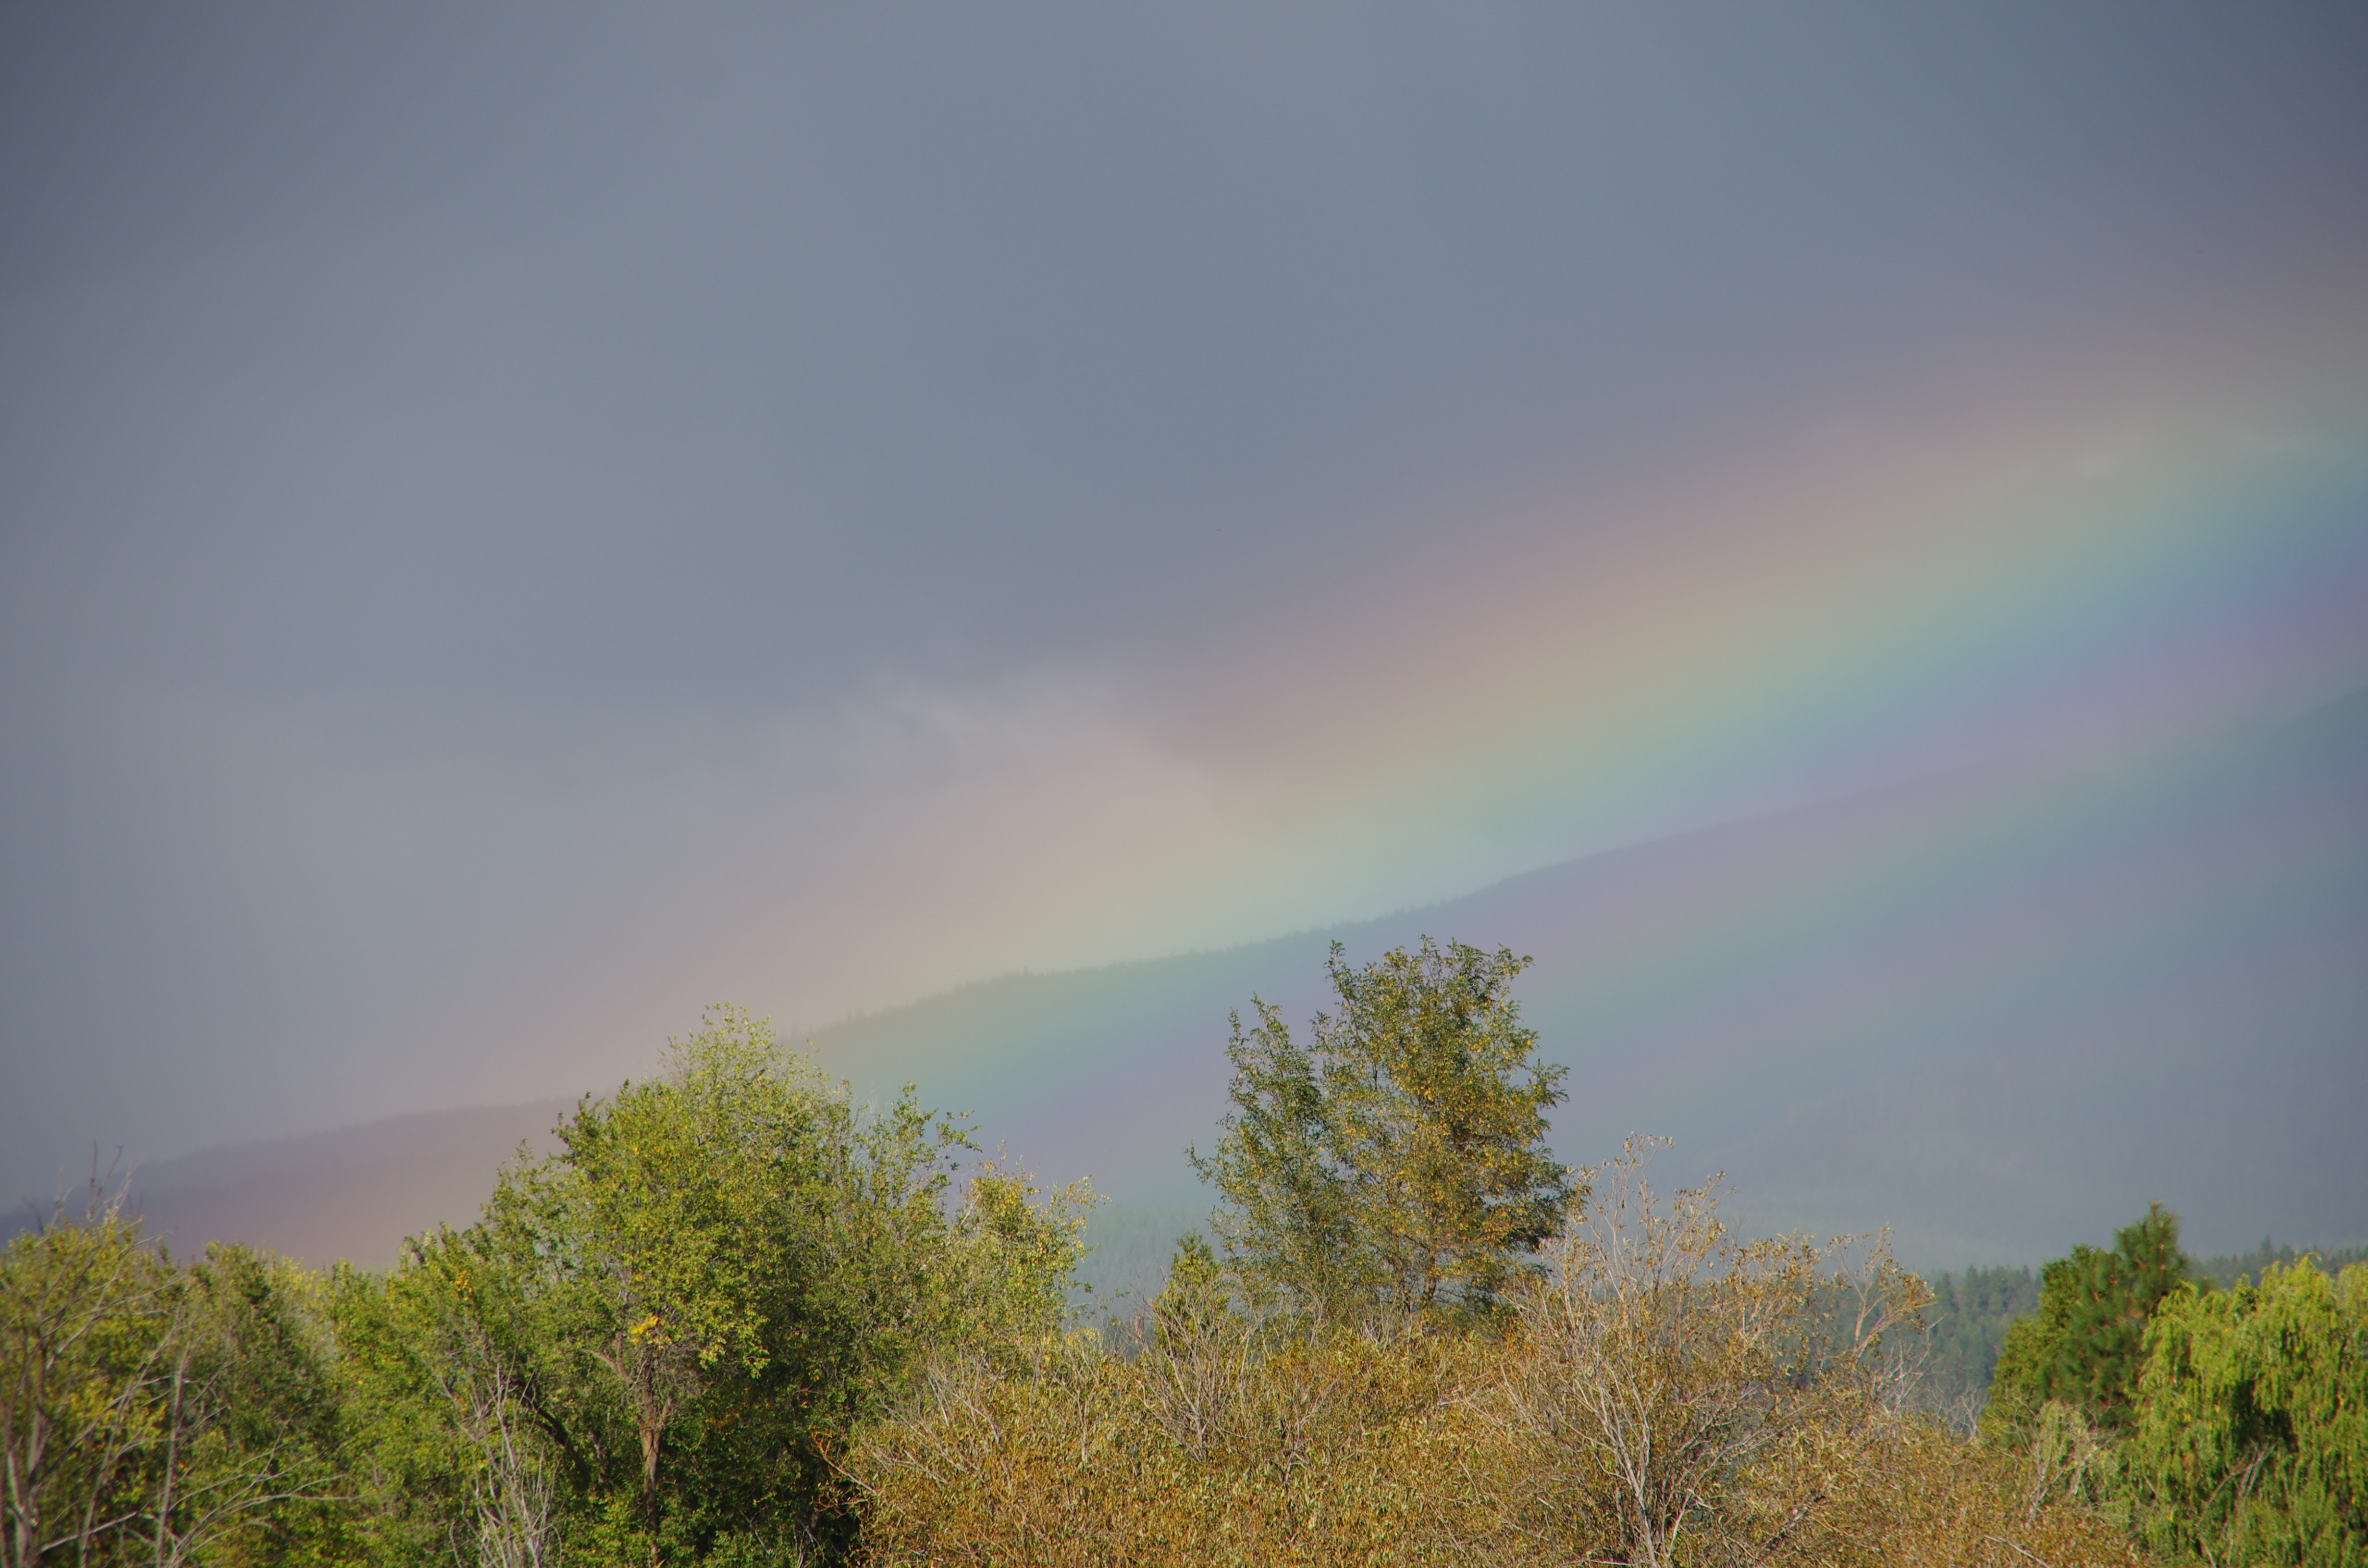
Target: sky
{"points": [[516, 523]]}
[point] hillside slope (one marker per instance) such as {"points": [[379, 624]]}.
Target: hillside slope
{"points": [[1997, 1011], [354, 1193]]}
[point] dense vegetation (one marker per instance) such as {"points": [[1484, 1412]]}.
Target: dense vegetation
{"points": [[737, 1319], [1967, 1320]]}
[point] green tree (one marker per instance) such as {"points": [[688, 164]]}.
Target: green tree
{"points": [[163, 1414], [2250, 1437], [1013, 1251], [1397, 1161], [2085, 1344], [459, 1443], [719, 1273], [87, 1312], [246, 1466], [654, 1344], [1284, 1217]]}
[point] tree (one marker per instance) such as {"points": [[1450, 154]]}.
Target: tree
{"points": [[1396, 1162], [251, 1405], [160, 1413], [655, 1344], [1012, 1249], [1666, 1366], [86, 1317], [2085, 1344], [460, 1451], [2249, 1438], [1285, 1216], [719, 1272]]}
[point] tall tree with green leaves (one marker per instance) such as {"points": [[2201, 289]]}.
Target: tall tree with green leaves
{"points": [[1284, 1195], [1397, 1161], [463, 1440], [724, 1268], [652, 1346], [2085, 1344]]}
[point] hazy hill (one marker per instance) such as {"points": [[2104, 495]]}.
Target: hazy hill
{"points": [[1998, 1012], [354, 1193]]}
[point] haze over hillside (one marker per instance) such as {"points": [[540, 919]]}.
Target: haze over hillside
{"points": [[1998, 1012], [511, 531], [352, 1193]]}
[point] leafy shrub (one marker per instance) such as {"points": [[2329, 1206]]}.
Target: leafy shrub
{"points": [[2251, 1438], [1665, 1393]]}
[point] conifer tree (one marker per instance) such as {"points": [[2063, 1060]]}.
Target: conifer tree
{"points": [[2085, 1344]]}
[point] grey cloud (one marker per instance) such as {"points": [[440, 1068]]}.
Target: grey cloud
{"points": [[455, 395]]}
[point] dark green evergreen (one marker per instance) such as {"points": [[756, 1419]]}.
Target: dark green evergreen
{"points": [[2230, 1269], [1969, 1317], [2086, 1342]]}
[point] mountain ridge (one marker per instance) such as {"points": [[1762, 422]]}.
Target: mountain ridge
{"points": [[1959, 1006]]}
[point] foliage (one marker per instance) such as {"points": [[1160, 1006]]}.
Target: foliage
{"points": [[1396, 1162], [254, 1420], [2086, 1342], [1968, 1319], [1671, 1369], [739, 1320], [1012, 1260], [718, 1275], [86, 1310], [2229, 1269], [1746, 1383], [1914, 1496], [157, 1414], [1229, 1442], [460, 1453], [2250, 1443], [1971, 1311]]}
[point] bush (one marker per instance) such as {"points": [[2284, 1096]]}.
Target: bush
{"points": [[1664, 1394], [2250, 1443]]}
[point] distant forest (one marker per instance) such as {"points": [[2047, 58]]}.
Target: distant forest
{"points": [[1970, 1311]]}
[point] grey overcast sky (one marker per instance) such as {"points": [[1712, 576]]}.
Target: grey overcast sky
{"points": [[517, 521]]}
